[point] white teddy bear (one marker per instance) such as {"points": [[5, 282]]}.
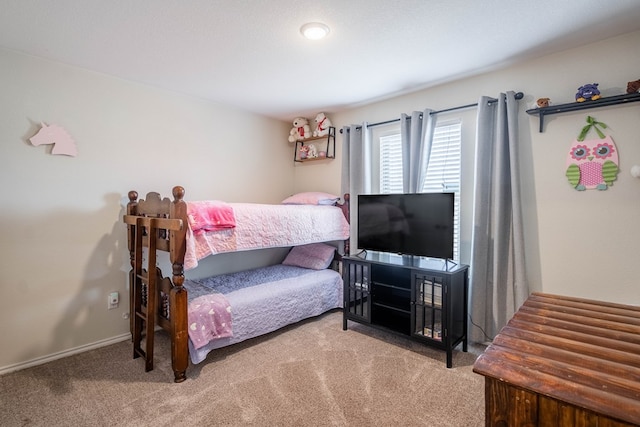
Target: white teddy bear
{"points": [[322, 125], [300, 130], [313, 152]]}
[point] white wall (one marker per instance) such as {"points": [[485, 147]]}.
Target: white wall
{"points": [[577, 243], [63, 242]]}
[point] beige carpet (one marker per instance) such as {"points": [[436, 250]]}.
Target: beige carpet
{"points": [[309, 374]]}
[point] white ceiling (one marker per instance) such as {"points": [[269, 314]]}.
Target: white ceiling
{"points": [[250, 54]]}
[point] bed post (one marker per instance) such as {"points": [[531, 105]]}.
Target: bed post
{"points": [[178, 294], [346, 209], [132, 209]]}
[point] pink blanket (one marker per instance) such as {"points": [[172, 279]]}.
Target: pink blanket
{"points": [[210, 215], [209, 318]]}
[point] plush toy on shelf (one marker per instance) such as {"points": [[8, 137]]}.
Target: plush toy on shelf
{"points": [[633, 87], [543, 102], [312, 152], [588, 92], [304, 151], [322, 125], [300, 130]]}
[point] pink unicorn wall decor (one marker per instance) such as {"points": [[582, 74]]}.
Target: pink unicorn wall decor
{"points": [[53, 134]]}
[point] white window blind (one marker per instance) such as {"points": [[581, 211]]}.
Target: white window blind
{"points": [[443, 171]]}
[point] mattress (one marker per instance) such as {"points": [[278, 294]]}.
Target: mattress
{"points": [[268, 226], [266, 299]]}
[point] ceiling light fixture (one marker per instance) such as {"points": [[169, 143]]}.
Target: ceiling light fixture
{"points": [[314, 30]]}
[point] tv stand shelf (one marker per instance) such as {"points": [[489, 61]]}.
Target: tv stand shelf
{"points": [[421, 298]]}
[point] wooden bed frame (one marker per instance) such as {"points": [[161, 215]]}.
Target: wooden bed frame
{"points": [[161, 225]]}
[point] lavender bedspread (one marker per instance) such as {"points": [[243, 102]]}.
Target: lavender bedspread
{"points": [[266, 299]]}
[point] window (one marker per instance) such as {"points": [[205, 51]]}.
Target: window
{"points": [[443, 171]]}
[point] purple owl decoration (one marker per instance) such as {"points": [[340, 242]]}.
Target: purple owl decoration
{"points": [[592, 163]]}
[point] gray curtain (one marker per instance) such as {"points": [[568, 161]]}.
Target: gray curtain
{"points": [[356, 159], [416, 133], [356, 167], [497, 277]]}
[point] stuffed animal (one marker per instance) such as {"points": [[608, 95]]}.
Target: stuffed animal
{"points": [[322, 125], [633, 87], [588, 92], [542, 102], [304, 151], [313, 151], [300, 130]]}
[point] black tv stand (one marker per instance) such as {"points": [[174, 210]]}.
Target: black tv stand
{"points": [[447, 261], [422, 298]]}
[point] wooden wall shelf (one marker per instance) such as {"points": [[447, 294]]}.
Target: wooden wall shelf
{"points": [[329, 148], [576, 106]]}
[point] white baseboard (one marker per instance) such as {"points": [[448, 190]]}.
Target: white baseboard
{"points": [[65, 353]]}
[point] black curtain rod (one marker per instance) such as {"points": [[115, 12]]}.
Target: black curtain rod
{"points": [[519, 95]]}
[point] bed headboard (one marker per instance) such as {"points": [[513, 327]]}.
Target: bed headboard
{"points": [[345, 206], [171, 239], [158, 224]]}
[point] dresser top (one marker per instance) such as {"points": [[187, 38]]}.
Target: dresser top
{"points": [[575, 350], [409, 261]]}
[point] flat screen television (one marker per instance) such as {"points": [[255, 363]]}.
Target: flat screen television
{"points": [[409, 224]]}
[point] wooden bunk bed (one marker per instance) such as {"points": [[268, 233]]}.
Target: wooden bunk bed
{"points": [[156, 224]]}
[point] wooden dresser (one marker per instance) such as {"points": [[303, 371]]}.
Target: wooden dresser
{"points": [[564, 361]]}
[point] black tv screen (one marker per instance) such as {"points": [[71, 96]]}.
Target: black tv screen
{"points": [[410, 224]]}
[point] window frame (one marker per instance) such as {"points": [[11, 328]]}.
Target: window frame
{"points": [[391, 136]]}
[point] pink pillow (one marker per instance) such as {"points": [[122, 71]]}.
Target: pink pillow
{"points": [[315, 256], [311, 198]]}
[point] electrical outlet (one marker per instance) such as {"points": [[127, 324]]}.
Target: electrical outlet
{"points": [[113, 300]]}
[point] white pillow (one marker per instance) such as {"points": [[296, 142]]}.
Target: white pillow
{"points": [[311, 198]]}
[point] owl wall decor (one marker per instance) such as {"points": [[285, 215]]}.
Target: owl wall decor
{"points": [[592, 163]]}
